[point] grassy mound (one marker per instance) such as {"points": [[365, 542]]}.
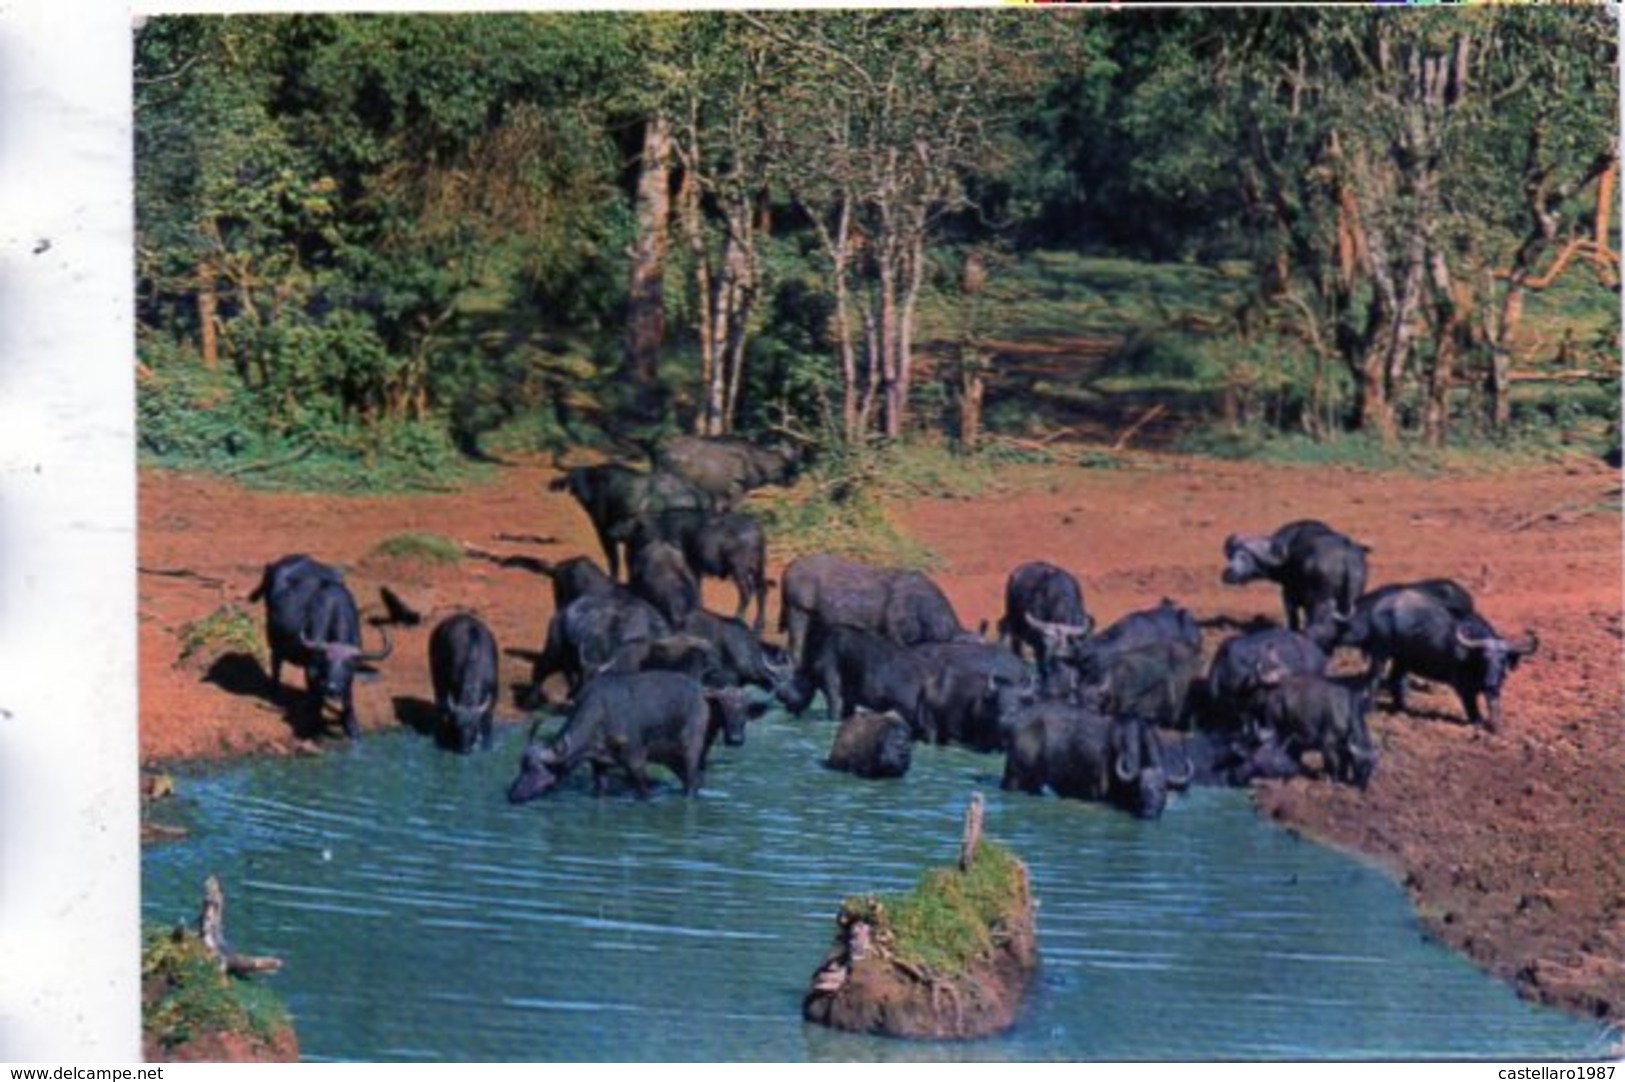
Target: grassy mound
{"points": [[951, 918], [187, 999]]}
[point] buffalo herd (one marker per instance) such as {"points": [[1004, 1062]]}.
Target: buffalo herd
{"points": [[1123, 714]]}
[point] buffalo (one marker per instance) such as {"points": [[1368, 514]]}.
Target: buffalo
{"points": [[1331, 629], [739, 655], [612, 495], [728, 546], [628, 722], [872, 746], [311, 619], [1152, 681], [1223, 702], [1165, 622], [1043, 609], [1085, 755], [463, 670], [585, 634], [904, 606], [661, 577], [971, 689], [855, 667], [726, 467], [1232, 761], [1414, 632], [1308, 712], [1316, 567]]}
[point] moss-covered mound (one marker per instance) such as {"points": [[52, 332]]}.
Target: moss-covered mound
{"points": [[949, 959], [193, 1011]]}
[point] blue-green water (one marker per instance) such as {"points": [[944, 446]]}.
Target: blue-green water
{"points": [[421, 917]]}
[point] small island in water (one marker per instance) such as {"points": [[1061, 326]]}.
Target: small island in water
{"points": [[950, 959]]}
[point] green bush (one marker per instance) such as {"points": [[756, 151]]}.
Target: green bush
{"points": [[229, 628]]}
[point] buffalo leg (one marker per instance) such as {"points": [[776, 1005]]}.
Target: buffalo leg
{"points": [[600, 779], [352, 727], [611, 555]]}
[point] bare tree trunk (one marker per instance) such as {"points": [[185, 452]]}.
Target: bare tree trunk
{"points": [[688, 201], [913, 278], [207, 305], [645, 302], [1452, 307]]}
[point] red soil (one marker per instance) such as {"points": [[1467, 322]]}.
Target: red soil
{"points": [[1509, 844]]}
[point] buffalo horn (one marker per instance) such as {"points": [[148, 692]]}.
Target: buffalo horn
{"points": [[1056, 630], [1183, 781], [380, 654], [1471, 642], [1123, 768]]}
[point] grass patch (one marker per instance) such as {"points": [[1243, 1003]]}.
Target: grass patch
{"points": [[950, 917], [186, 995], [229, 628], [854, 526], [426, 548]]}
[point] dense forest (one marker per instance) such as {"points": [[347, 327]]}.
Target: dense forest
{"points": [[420, 237]]}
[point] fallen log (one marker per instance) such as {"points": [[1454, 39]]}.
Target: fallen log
{"points": [[212, 930]]}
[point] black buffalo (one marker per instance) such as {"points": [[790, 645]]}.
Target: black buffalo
{"points": [[739, 655], [1166, 622], [1316, 567], [726, 467], [585, 634], [628, 722], [463, 670], [872, 746], [971, 690], [311, 619], [1331, 629], [1308, 712], [613, 495], [904, 606], [1151, 681], [1085, 755], [729, 546], [660, 576], [855, 667], [1414, 632], [1231, 761], [1043, 610], [1223, 701]]}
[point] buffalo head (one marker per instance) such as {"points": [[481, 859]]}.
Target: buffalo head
{"points": [[1248, 557], [330, 667], [1493, 657], [540, 769]]}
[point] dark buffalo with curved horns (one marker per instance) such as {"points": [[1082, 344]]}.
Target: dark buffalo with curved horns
{"points": [[1224, 701], [1308, 712], [628, 722], [463, 671], [1084, 755], [585, 635], [1043, 609], [1414, 632], [311, 619], [1316, 567]]}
